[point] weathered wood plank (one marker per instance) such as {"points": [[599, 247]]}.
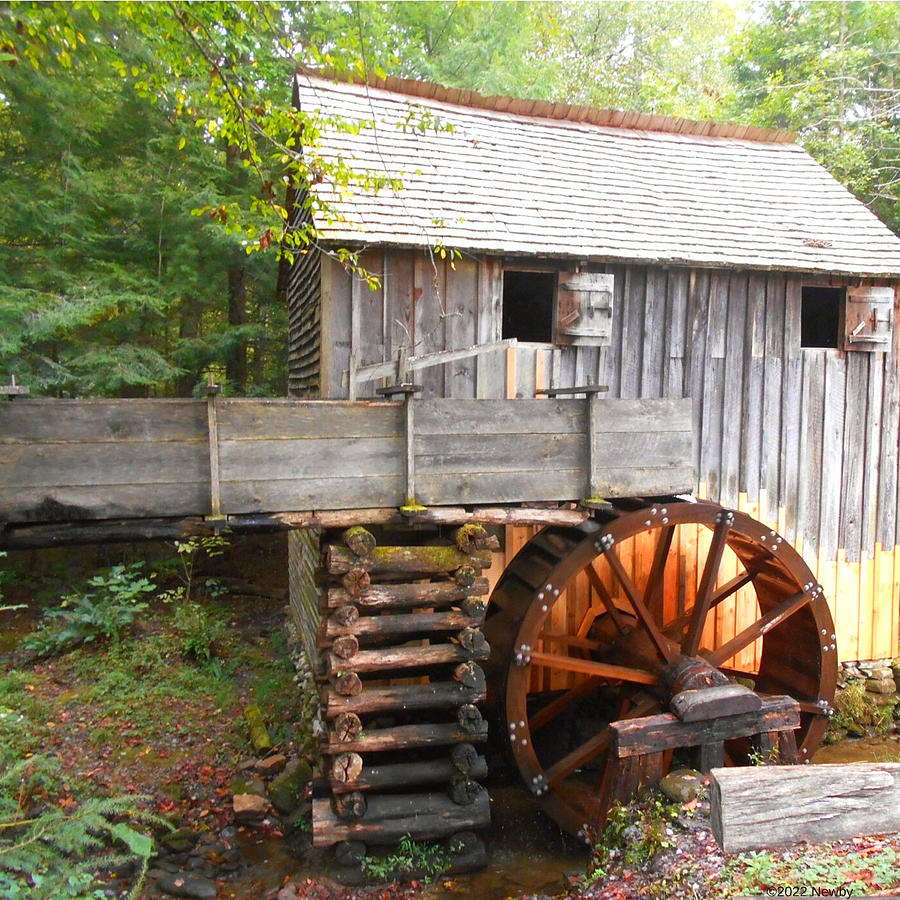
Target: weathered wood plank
{"points": [[665, 731], [770, 806], [270, 420], [101, 421]]}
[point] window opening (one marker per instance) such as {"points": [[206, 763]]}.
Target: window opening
{"points": [[528, 306], [820, 316]]}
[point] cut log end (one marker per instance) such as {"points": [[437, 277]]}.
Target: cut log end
{"points": [[360, 541], [346, 767]]}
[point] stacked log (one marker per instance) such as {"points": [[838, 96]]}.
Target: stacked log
{"points": [[401, 683]]}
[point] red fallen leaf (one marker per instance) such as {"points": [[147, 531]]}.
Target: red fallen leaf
{"points": [[691, 804], [204, 812]]}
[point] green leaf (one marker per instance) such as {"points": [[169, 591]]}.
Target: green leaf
{"points": [[138, 843]]}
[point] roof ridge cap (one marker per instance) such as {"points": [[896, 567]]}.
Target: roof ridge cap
{"points": [[557, 110]]}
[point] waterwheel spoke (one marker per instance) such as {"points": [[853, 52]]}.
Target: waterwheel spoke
{"points": [[653, 593], [560, 704], [723, 593], [663, 645], [601, 590], [766, 623], [707, 583], [569, 640], [592, 747], [591, 667]]}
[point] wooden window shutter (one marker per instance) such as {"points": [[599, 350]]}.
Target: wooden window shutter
{"points": [[584, 306], [868, 319]]}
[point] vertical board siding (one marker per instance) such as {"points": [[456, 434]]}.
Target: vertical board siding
{"points": [[303, 302], [804, 440]]}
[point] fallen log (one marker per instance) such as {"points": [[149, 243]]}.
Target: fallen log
{"points": [[427, 560], [408, 596], [437, 695], [769, 806], [408, 737], [426, 816], [399, 625], [392, 658], [393, 775]]}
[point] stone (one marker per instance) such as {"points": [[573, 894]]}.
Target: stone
{"points": [[881, 686], [880, 672], [247, 784], [882, 699], [180, 840], [286, 790], [682, 785], [271, 765], [187, 884], [249, 807]]}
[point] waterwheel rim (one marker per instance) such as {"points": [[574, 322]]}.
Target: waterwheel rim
{"points": [[791, 634]]}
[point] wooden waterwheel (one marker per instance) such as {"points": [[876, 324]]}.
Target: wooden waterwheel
{"points": [[588, 624]]}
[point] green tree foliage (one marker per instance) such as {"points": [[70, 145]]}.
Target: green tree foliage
{"points": [[829, 71], [663, 57], [110, 283]]}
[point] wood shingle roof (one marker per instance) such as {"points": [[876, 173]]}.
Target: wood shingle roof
{"points": [[553, 181]]}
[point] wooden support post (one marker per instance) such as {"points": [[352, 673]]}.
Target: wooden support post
{"points": [[212, 420], [411, 507]]}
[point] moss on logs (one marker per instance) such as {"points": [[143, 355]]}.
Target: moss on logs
{"points": [[420, 560]]}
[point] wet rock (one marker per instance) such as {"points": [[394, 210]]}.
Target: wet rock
{"points": [[271, 765], [288, 892], [180, 840], [881, 686], [187, 884], [249, 807], [247, 784], [682, 785], [287, 789]]}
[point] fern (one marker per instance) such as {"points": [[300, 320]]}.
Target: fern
{"points": [[48, 853]]}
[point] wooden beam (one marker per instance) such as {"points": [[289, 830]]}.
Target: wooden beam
{"points": [[652, 734], [770, 806]]}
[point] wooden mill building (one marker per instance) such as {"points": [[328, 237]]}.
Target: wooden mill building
{"points": [[521, 246]]}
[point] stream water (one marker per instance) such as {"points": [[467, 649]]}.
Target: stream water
{"points": [[527, 852]]}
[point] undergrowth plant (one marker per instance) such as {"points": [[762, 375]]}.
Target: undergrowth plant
{"points": [[855, 712], [105, 607], [412, 858], [52, 847], [184, 567], [634, 834]]}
